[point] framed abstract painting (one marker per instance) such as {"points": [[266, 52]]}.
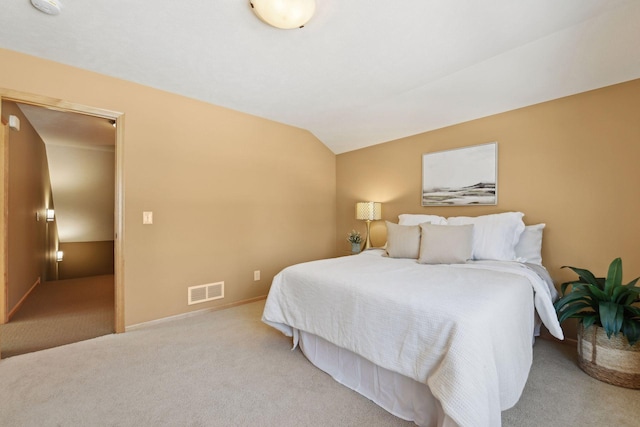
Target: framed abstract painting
{"points": [[462, 176]]}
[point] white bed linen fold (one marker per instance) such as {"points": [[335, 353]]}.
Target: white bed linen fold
{"points": [[464, 330], [400, 395]]}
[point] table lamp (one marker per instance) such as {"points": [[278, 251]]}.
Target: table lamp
{"points": [[368, 211]]}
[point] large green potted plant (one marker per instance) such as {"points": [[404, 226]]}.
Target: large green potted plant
{"points": [[608, 324]]}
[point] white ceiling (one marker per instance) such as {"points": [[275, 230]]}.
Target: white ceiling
{"points": [[361, 72]]}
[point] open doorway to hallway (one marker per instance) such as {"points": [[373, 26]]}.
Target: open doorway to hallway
{"points": [[60, 277]]}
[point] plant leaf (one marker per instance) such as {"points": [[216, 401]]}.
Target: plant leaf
{"points": [[589, 320], [575, 286], [597, 293], [565, 285], [574, 310], [619, 294], [611, 316], [614, 276], [631, 330], [635, 311], [585, 275], [631, 288], [631, 298], [569, 298], [633, 283]]}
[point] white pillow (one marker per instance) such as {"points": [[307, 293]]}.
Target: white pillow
{"points": [[403, 241], [445, 244], [529, 247], [415, 219], [494, 236]]}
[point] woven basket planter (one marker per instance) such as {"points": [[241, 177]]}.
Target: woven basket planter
{"points": [[611, 360]]}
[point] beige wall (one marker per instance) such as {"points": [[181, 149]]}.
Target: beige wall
{"points": [[571, 163], [230, 193], [30, 246], [85, 259]]}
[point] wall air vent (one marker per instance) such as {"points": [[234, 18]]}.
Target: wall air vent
{"points": [[204, 293]]}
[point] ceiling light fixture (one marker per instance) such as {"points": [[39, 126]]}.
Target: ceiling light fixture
{"points": [[50, 7], [284, 14]]}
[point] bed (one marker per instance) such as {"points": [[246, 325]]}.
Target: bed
{"points": [[437, 343]]}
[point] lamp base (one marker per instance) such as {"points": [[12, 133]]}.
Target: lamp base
{"points": [[367, 242]]}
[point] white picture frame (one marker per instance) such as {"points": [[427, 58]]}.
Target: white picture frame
{"points": [[466, 176]]}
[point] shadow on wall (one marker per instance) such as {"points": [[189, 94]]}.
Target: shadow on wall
{"points": [[84, 259]]}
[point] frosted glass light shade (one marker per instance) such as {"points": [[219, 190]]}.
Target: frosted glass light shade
{"points": [[59, 256], [369, 210], [284, 14]]}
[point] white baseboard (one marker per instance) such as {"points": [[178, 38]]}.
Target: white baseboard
{"points": [[192, 313]]}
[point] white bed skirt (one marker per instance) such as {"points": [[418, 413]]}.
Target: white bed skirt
{"points": [[400, 395]]}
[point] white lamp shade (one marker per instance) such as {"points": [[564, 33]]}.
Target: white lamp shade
{"points": [[369, 210], [284, 14], [59, 256], [51, 215]]}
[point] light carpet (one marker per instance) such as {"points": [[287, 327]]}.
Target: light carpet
{"points": [[226, 368]]}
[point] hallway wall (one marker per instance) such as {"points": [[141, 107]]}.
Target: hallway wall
{"points": [[85, 259], [31, 239]]}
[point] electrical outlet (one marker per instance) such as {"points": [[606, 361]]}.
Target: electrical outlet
{"points": [[256, 275]]}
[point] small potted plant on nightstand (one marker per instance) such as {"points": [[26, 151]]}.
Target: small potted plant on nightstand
{"points": [[608, 324], [355, 239]]}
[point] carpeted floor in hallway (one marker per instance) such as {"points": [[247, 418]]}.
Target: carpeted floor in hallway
{"points": [[60, 312]]}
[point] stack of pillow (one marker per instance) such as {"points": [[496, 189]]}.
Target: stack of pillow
{"points": [[432, 239]]}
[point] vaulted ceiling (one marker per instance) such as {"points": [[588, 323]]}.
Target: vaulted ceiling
{"points": [[361, 72]]}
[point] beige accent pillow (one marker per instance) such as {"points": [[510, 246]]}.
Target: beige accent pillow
{"points": [[445, 244], [403, 241]]}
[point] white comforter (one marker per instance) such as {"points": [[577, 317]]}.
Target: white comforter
{"points": [[465, 330]]}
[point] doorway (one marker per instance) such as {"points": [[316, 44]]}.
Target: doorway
{"points": [[52, 270]]}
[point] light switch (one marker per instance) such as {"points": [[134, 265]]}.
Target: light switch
{"points": [[147, 217]]}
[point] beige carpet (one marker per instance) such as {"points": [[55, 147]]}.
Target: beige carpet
{"points": [[60, 312], [227, 368]]}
